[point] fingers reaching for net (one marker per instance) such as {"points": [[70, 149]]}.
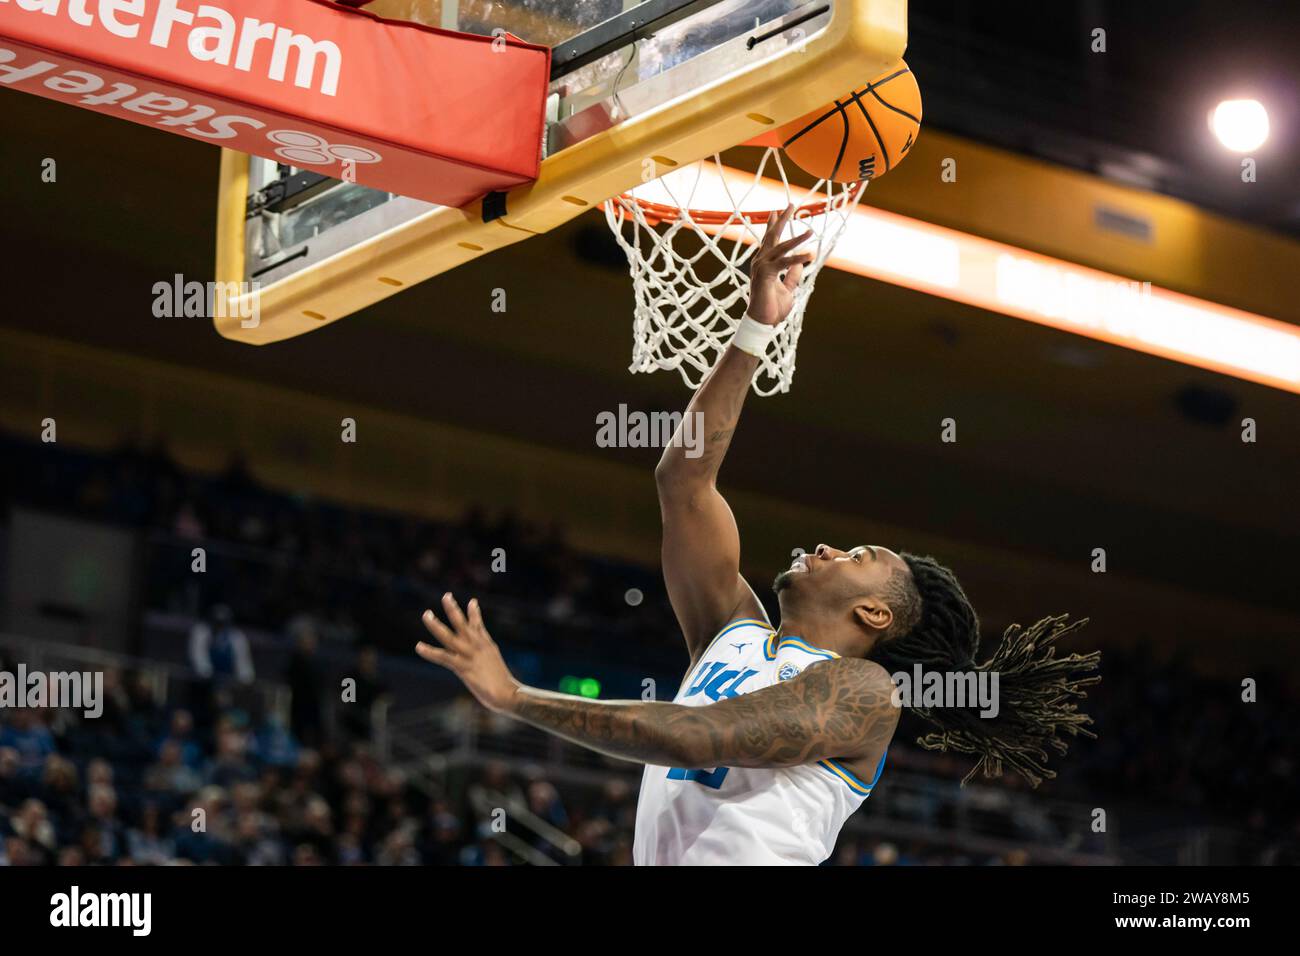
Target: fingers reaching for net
{"points": [[794, 271], [785, 247], [775, 257], [776, 223]]}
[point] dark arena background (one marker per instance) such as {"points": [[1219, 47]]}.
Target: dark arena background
{"points": [[241, 540]]}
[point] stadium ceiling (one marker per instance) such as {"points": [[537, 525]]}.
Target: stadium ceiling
{"points": [[1024, 75]]}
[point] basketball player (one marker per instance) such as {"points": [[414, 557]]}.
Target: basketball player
{"points": [[778, 734]]}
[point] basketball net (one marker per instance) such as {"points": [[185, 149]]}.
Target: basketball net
{"points": [[693, 233]]}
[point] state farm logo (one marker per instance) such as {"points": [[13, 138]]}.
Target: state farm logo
{"points": [[207, 34], [308, 149], [162, 106]]}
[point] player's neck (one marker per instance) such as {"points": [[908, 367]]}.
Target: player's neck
{"points": [[829, 632]]}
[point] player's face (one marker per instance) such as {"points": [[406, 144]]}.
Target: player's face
{"points": [[832, 575]]}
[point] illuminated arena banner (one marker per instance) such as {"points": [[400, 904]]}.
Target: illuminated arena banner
{"points": [[1017, 282], [1064, 295], [427, 113]]}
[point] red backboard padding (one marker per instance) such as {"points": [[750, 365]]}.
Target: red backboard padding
{"points": [[411, 109]]}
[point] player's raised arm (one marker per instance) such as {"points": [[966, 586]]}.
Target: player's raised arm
{"points": [[701, 543], [842, 708]]}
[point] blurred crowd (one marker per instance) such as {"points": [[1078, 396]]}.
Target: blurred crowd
{"points": [[279, 560], [130, 786], [147, 784]]}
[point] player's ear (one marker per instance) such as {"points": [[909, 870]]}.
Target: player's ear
{"points": [[873, 614]]}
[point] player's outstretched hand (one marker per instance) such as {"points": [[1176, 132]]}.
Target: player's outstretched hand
{"points": [[469, 652], [775, 271]]}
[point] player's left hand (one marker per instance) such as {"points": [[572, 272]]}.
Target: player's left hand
{"points": [[469, 652]]}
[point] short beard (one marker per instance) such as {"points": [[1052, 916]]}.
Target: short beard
{"points": [[784, 580]]}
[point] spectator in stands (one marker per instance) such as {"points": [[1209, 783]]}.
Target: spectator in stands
{"points": [[314, 829], [370, 689], [274, 744], [101, 806], [146, 844], [495, 787], [545, 803], [29, 736], [99, 771], [181, 733], [350, 850], [61, 792], [306, 680], [398, 848], [230, 765], [15, 851], [144, 713], [595, 838], [12, 787], [222, 662], [442, 835], [617, 804], [193, 834], [256, 834], [187, 524], [484, 853], [33, 825], [885, 854], [219, 650], [305, 854], [171, 776], [71, 856]]}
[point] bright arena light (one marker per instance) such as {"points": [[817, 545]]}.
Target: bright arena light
{"points": [[1241, 125]]}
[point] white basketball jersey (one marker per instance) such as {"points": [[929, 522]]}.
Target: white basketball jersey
{"points": [[734, 815]]}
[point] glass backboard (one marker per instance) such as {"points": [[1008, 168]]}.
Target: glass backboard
{"points": [[632, 81]]}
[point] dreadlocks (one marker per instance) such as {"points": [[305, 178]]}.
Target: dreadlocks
{"points": [[936, 627]]}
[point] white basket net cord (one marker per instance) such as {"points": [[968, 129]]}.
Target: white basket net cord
{"points": [[693, 233]]}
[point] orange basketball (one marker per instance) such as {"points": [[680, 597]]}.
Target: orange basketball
{"points": [[860, 136]]}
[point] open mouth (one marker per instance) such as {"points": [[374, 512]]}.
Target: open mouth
{"points": [[800, 564]]}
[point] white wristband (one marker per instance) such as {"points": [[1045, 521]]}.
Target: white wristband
{"points": [[753, 337]]}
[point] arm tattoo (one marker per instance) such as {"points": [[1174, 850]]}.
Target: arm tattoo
{"points": [[717, 443], [841, 708]]}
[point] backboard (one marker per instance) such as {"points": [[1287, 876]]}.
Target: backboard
{"points": [[638, 87]]}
